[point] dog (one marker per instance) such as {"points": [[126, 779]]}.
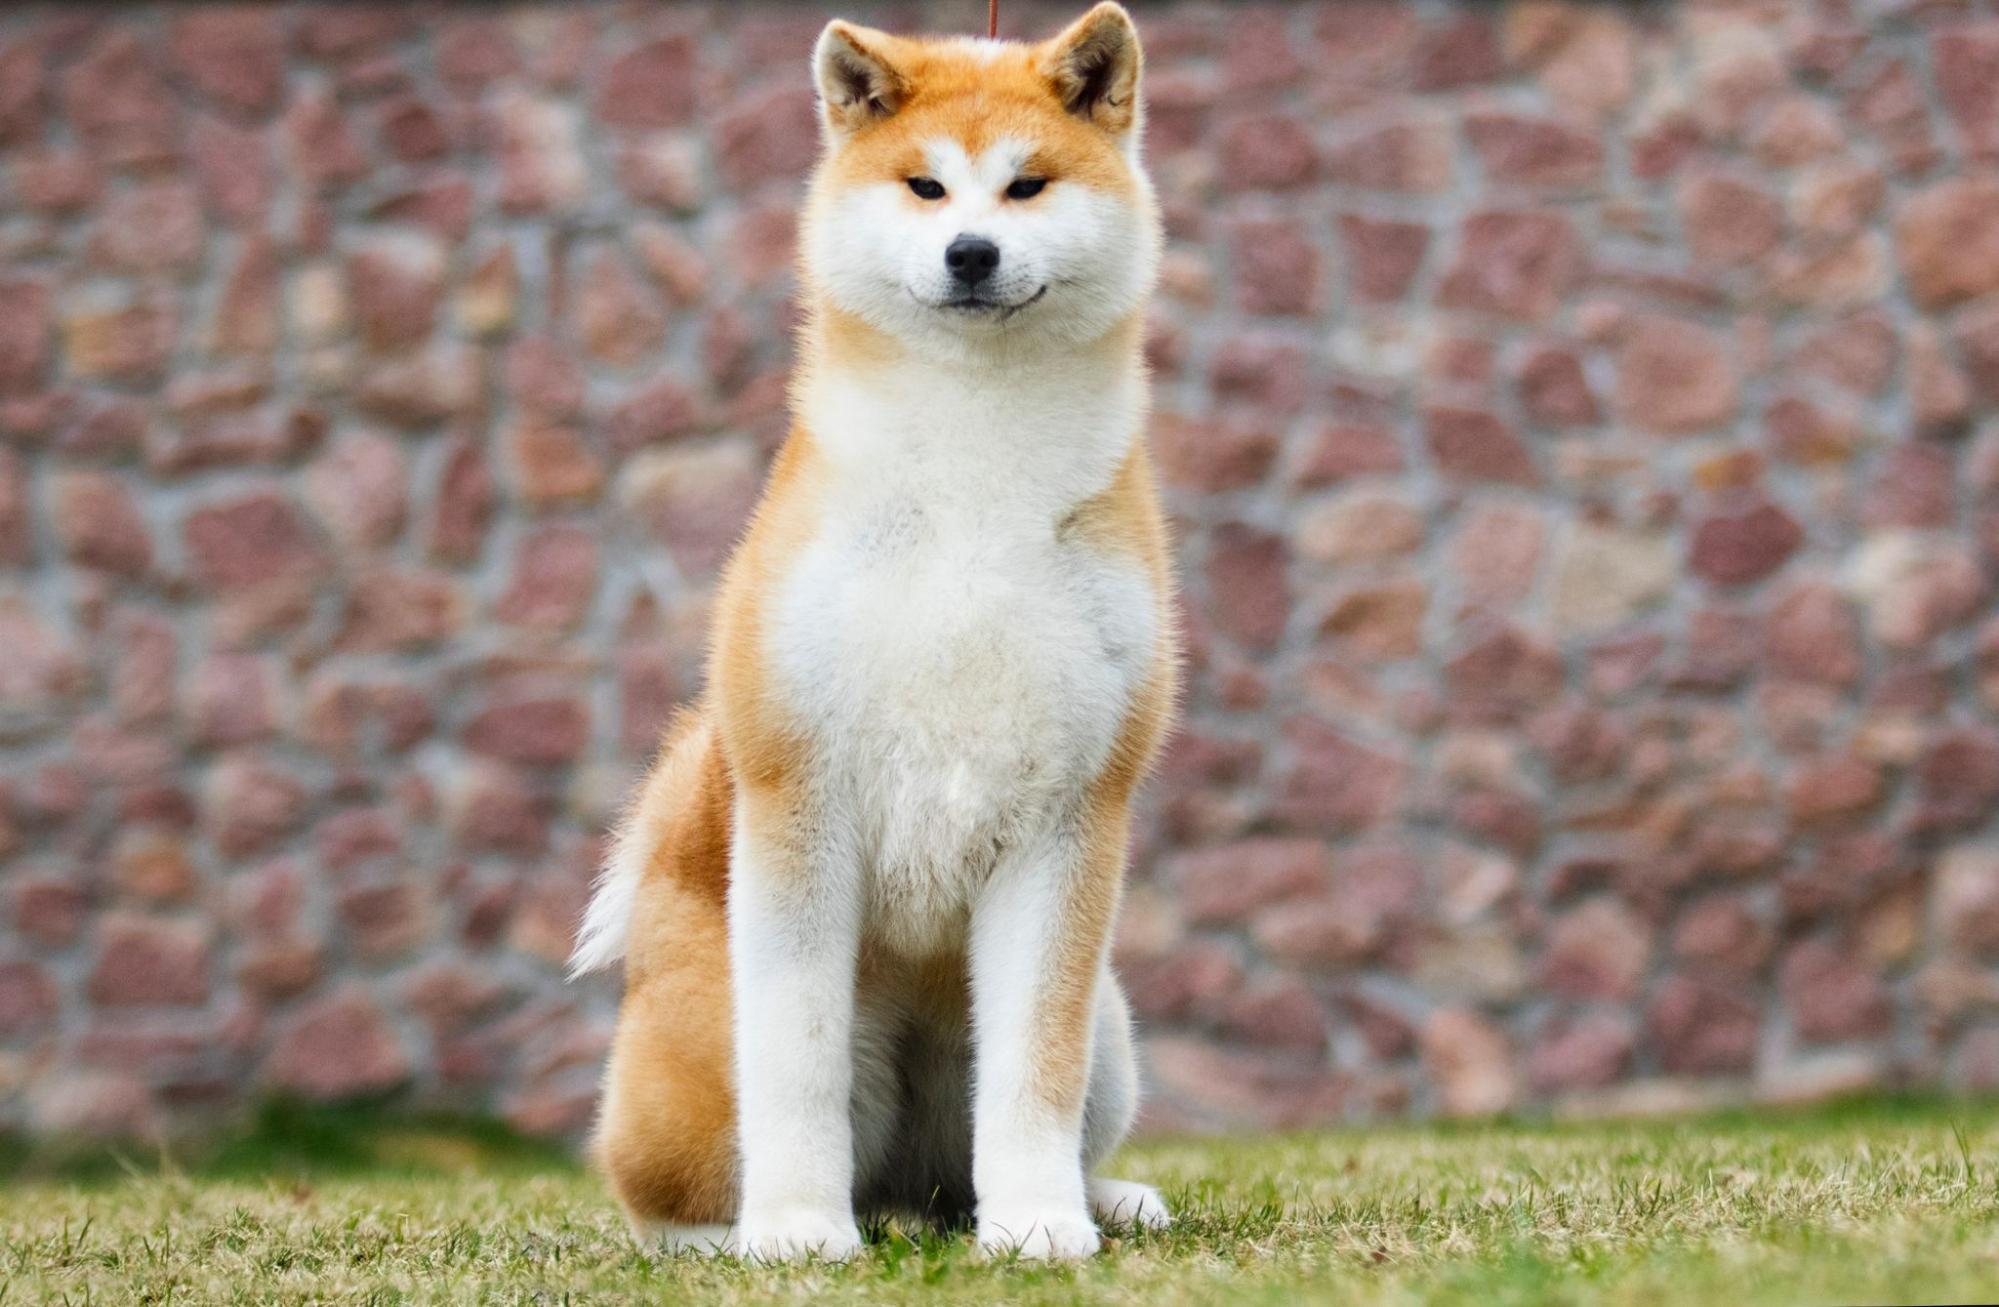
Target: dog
{"points": [[865, 895]]}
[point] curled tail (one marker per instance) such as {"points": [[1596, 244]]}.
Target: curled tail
{"points": [[645, 826]]}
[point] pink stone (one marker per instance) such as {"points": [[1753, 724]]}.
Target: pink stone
{"points": [[1800, 431], [773, 137], [28, 999], [118, 103], [1723, 931], [229, 699], [1591, 1051], [1701, 1027], [25, 321], [1831, 994], [323, 150], [153, 227], [1836, 789], [1957, 778], [1379, 622], [554, 578], [247, 541], [395, 287], [1249, 596], [41, 673], [532, 728], [652, 85], [358, 488], [396, 608], [1412, 158], [1674, 376], [1597, 951], [1276, 268], [100, 525], [1554, 391], [233, 55], [1498, 552], [246, 318], [693, 500], [1382, 255], [1266, 152], [1966, 59], [120, 338], [1915, 485], [1514, 265], [544, 379], [1503, 673], [1372, 894], [1965, 898], [150, 962], [1471, 1062], [1346, 450], [1729, 222], [384, 920], [1745, 543], [1335, 783], [1814, 635], [1228, 883], [495, 807], [1211, 456], [1948, 236], [1471, 445], [1281, 1012], [474, 51], [252, 806], [339, 1047], [464, 504], [1462, 51], [1515, 150], [620, 323]]}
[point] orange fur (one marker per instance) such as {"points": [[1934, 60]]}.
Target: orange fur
{"points": [[665, 1135]]}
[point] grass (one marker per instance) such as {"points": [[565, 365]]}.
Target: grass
{"points": [[1882, 1202]]}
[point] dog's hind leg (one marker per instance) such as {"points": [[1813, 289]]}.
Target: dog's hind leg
{"points": [[1108, 1114]]}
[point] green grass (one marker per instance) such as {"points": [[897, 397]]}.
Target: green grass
{"points": [[1895, 1202]]}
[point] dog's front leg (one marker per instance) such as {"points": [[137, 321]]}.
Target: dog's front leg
{"points": [[1039, 932], [794, 928]]}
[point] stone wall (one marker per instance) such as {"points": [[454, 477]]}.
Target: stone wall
{"points": [[1579, 420]]}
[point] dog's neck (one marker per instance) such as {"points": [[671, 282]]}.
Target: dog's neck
{"points": [[1019, 417]]}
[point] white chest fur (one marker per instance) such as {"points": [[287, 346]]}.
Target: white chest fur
{"points": [[962, 663]]}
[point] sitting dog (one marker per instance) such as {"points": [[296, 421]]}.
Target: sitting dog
{"points": [[865, 895]]}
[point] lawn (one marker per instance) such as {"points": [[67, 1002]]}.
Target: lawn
{"points": [[1894, 1202]]}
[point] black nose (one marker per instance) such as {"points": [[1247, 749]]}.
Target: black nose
{"points": [[971, 259]]}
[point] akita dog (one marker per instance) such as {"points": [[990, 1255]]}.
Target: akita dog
{"points": [[865, 895]]}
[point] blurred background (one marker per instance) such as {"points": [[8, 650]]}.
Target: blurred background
{"points": [[1578, 419]]}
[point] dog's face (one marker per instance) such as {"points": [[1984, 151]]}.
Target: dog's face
{"points": [[973, 189]]}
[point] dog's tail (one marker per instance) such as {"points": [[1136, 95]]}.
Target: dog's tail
{"points": [[674, 778]]}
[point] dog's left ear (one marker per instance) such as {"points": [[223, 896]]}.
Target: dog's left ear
{"points": [[1094, 67]]}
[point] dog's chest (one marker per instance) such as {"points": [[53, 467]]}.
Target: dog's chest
{"points": [[964, 671]]}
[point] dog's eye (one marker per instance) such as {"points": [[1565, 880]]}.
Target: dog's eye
{"points": [[926, 189], [1026, 188]]}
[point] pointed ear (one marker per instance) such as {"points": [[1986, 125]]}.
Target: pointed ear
{"points": [[1094, 68], [857, 84]]}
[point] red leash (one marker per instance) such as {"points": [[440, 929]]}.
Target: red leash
{"points": [[992, 18]]}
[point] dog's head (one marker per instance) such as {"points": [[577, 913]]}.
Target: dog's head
{"points": [[973, 189]]}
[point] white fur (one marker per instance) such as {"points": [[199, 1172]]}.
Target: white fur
{"points": [[600, 940], [1090, 255], [964, 670], [962, 667]]}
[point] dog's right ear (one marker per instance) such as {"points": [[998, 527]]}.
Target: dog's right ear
{"points": [[857, 84]]}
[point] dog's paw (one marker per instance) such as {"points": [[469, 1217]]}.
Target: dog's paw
{"points": [[794, 1236], [1127, 1204], [1052, 1234]]}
